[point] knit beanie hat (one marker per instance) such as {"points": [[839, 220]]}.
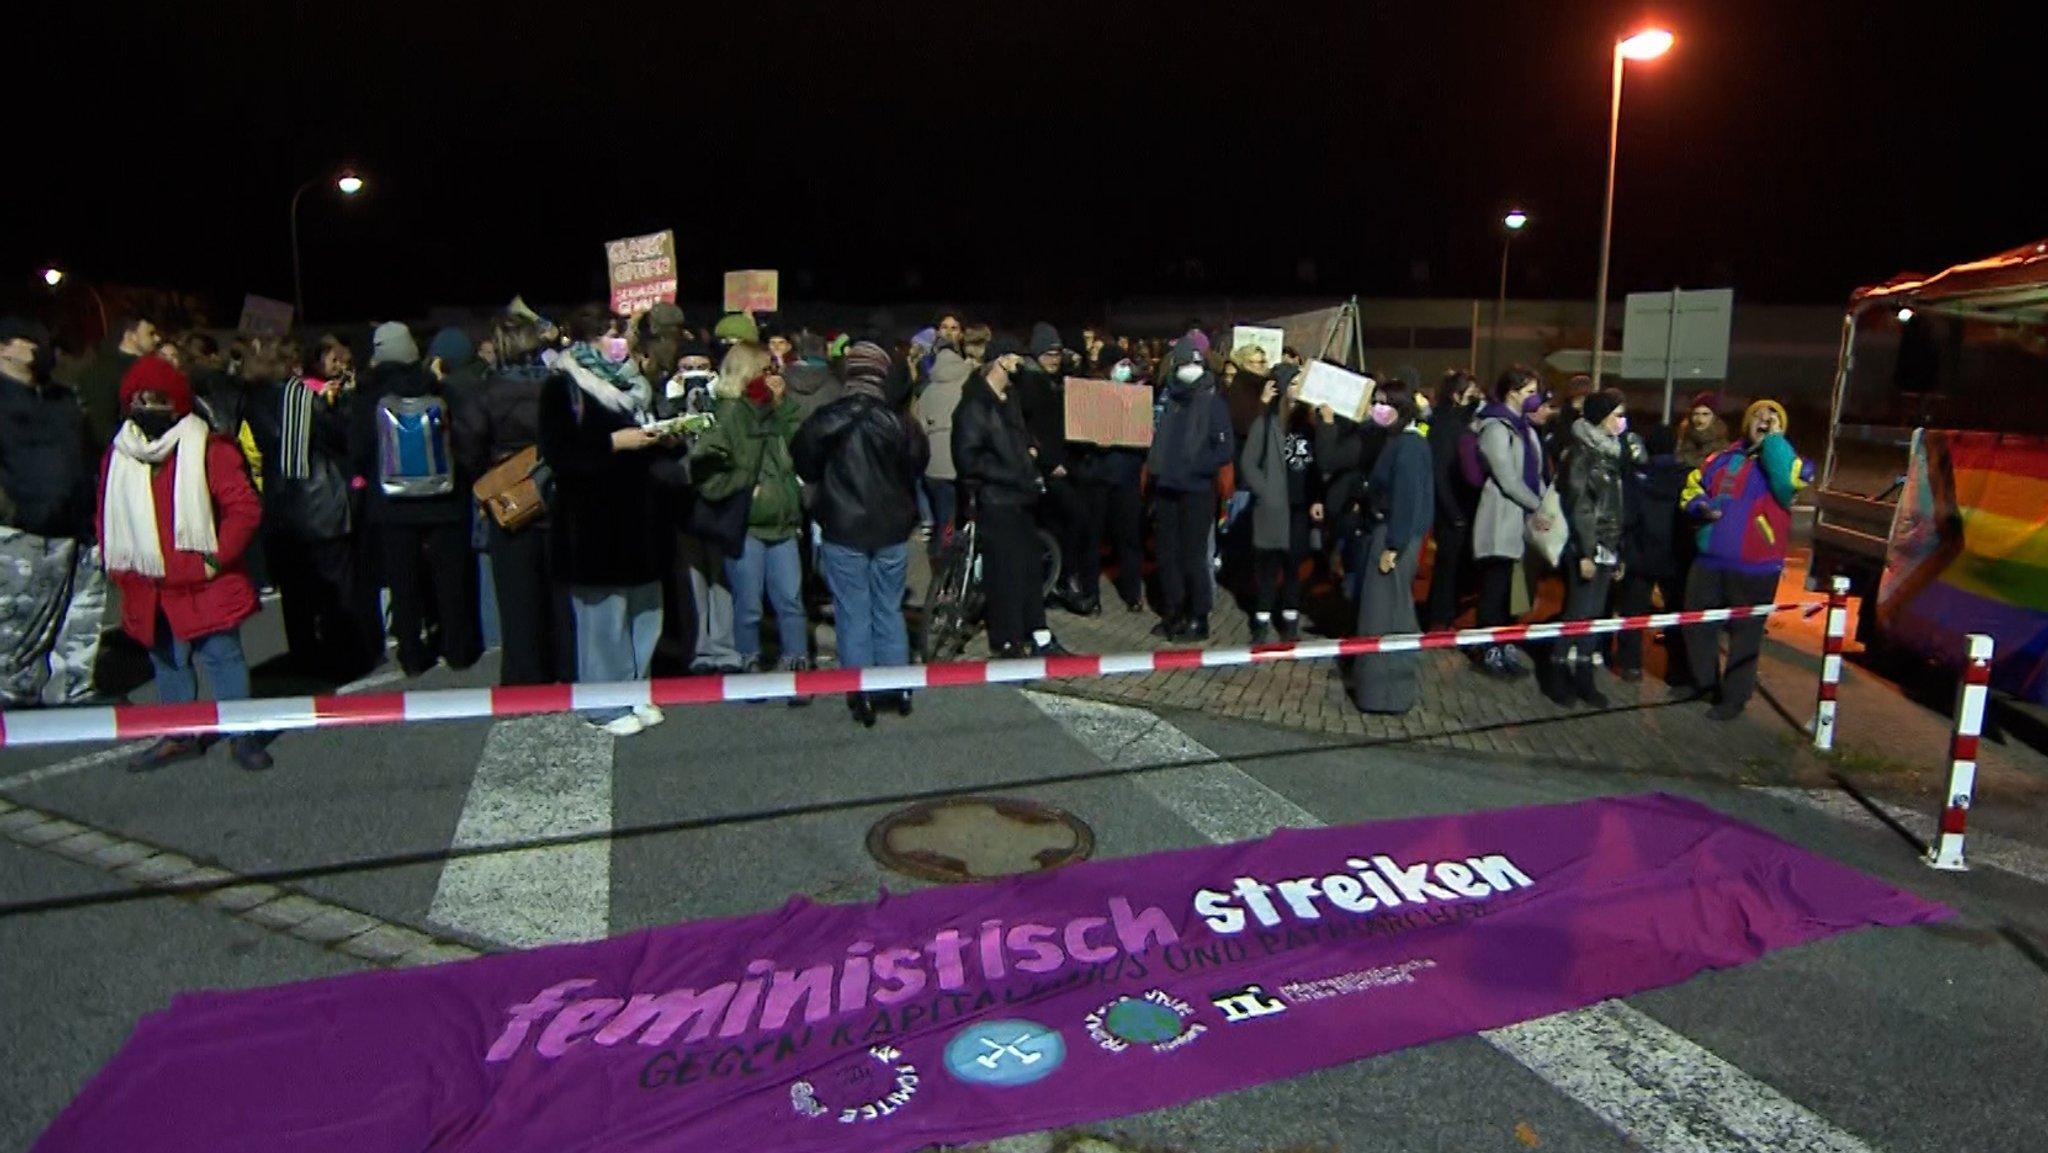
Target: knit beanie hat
{"points": [[452, 347], [736, 327], [1749, 414], [1706, 400], [1601, 405], [155, 374], [868, 363], [664, 316], [1284, 374], [1000, 346], [392, 343], [1045, 338]]}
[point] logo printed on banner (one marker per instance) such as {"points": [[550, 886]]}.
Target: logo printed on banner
{"points": [[1155, 1019], [1247, 1004], [1357, 981], [873, 1093], [1005, 1054]]}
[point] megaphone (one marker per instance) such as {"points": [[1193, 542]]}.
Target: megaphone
{"points": [[519, 308]]}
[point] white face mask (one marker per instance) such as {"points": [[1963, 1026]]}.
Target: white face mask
{"points": [[1121, 373], [1188, 373]]}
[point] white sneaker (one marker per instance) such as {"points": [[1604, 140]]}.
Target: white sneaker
{"points": [[649, 715], [625, 726]]}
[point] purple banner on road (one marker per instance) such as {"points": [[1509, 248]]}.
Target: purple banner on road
{"points": [[965, 1014]]}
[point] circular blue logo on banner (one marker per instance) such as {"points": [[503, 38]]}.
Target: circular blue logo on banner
{"points": [[1005, 1053], [1141, 1022]]}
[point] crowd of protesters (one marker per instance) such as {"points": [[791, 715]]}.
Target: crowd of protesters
{"points": [[595, 496]]}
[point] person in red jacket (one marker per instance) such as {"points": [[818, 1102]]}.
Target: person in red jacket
{"points": [[177, 513]]}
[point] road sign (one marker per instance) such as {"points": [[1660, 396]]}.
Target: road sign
{"points": [[1677, 335]]}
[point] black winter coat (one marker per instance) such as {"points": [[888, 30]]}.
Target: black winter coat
{"points": [[316, 507], [992, 447], [49, 470], [1042, 398], [606, 505], [1656, 537], [862, 460]]}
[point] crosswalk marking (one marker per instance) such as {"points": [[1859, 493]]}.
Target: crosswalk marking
{"points": [[538, 777]]}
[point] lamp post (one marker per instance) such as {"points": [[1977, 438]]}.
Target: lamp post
{"points": [[54, 276], [348, 184], [1646, 45], [1513, 222]]}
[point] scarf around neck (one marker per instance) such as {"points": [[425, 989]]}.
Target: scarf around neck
{"points": [[128, 529], [618, 387], [1597, 439], [1532, 461]]}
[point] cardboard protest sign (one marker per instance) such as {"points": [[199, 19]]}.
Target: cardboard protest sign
{"points": [[262, 316], [1104, 413], [1344, 391], [643, 271], [754, 290], [1272, 341]]}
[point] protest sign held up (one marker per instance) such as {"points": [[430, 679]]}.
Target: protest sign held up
{"points": [[643, 271], [1112, 415], [755, 290]]}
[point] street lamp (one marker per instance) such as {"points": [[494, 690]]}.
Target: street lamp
{"points": [[54, 276], [348, 184], [1645, 45], [1513, 222]]}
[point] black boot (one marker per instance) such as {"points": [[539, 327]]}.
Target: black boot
{"points": [[903, 703], [1262, 630], [1555, 679], [1290, 627], [1587, 688], [863, 709]]}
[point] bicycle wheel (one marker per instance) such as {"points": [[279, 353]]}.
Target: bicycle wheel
{"points": [[946, 620], [1050, 548]]}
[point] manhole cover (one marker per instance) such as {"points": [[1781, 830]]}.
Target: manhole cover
{"points": [[975, 838]]}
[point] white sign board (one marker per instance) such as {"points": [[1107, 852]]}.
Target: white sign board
{"points": [[1344, 391], [1677, 335]]}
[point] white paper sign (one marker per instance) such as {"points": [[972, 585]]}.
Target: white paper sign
{"points": [[1344, 391], [1272, 340]]}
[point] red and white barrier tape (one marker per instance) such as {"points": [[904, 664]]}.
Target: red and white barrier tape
{"points": [[132, 722], [1971, 699], [1832, 643]]}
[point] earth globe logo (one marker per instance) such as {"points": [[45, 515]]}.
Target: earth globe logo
{"points": [[1141, 1022]]}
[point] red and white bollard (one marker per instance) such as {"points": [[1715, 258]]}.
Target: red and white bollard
{"points": [[1971, 700], [1831, 664]]}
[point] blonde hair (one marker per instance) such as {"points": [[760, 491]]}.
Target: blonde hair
{"points": [[744, 363]]}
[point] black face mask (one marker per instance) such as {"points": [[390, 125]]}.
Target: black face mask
{"points": [[154, 422]]}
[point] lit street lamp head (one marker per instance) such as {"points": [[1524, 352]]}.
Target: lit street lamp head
{"points": [[349, 183], [1515, 220], [1647, 45], [53, 276]]}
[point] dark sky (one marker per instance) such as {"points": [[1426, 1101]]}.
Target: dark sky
{"points": [[1050, 155]]}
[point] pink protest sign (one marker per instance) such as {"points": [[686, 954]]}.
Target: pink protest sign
{"points": [[643, 271], [963, 1014]]}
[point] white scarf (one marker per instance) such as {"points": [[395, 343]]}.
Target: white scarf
{"points": [[128, 534]]}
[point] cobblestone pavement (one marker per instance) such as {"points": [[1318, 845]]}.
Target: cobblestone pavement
{"points": [[1886, 741]]}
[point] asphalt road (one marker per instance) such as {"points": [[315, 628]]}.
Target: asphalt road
{"points": [[1907, 1041]]}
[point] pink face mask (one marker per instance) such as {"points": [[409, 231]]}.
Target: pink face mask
{"points": [[1383, 414]]}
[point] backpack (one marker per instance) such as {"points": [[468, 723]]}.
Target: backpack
{"points": [[1469, 462], [413, 455]]}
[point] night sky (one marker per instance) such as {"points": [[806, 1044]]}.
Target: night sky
{"points": [[1045, 155]]}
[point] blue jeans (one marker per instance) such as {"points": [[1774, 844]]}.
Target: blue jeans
{"points": [[924, 503], [487, 602], [867, 605], [616, 631], [176, 661], [779, 569]]}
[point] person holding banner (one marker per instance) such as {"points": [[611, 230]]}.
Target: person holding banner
{"points": [[1112, 480]]}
